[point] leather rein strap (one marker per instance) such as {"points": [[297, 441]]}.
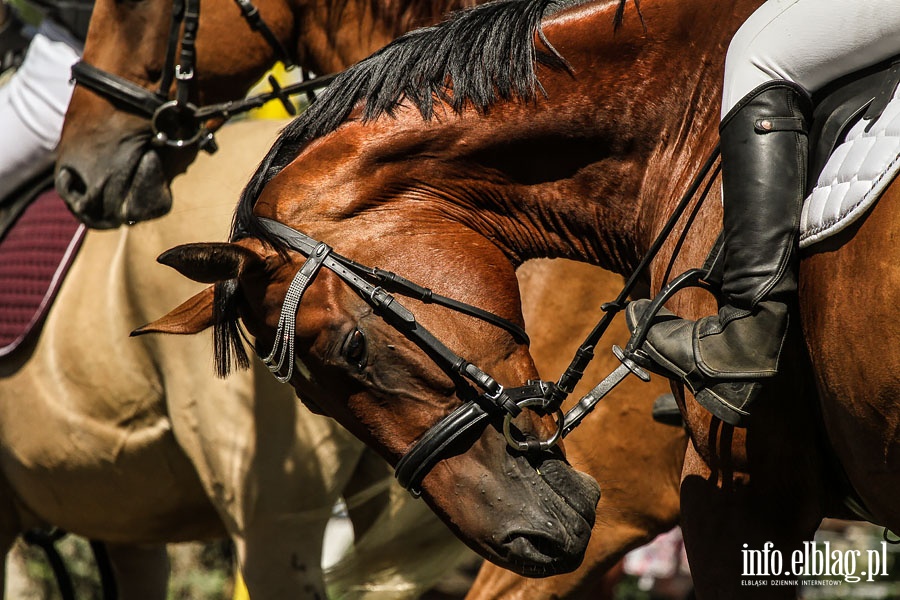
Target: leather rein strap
{"points": [[491, 399], [585, 352]]}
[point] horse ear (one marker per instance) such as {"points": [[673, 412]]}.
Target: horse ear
{"points": [[193, 316], [209, 262]]}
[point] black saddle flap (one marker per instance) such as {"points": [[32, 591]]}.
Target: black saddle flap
{"points": [[842, 103]]}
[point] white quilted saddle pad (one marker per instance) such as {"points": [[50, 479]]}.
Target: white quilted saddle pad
{"points": [[853, 178]]}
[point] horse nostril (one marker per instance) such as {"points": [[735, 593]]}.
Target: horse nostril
{"points": [[70, 184]]}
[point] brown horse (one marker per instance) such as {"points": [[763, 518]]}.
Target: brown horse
{"points": [[349, 37], [108, 171], [589, 168], [178, 479]]}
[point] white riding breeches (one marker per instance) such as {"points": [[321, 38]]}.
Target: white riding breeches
{"points": [[33, 104], [809, 42]]}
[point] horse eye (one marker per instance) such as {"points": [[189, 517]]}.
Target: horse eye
{"points": [[355, 348]]}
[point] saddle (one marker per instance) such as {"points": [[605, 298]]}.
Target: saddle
{"points": [[39, 239], [854, 149]]}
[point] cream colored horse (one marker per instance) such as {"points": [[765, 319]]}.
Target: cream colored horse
{"points": [[135, 442]]}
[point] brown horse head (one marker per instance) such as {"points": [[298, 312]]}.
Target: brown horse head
{"points": [[110, 173], [527, 511], [399, 195]]}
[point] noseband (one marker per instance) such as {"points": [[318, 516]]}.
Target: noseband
{"points": [[485, 398], [177, 122]]}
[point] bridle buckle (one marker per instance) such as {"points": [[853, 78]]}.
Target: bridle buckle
{"points": [[184, 75]]}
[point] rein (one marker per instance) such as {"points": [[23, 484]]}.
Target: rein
{"points": [[485, 397], [177, 122], [632, 355]]}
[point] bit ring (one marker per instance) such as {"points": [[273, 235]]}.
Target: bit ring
{"points": [[543, 444]]}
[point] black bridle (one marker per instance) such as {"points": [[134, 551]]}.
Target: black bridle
{"points": [[177, 122], [485, 398]]}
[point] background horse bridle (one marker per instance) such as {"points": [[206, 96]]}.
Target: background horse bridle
{"points": [[176, 121]]}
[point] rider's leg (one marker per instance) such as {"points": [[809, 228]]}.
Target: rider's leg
{"points": [[32, 107], [785, 49], [809, 42], [722, 357]]}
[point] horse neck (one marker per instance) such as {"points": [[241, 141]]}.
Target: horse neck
{"points": [[331, 35], [647, 116], [591, 170]]}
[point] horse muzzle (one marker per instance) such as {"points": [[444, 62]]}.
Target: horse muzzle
{"points": [[122, 193]]}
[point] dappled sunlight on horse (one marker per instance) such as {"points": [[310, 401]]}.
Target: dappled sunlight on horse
{"points": [[589, 168]]}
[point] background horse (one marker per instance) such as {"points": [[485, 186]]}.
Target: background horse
{"points": [[108, 171], [590, 169]]}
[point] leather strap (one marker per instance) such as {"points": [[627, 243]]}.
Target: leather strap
{"points": [[433, 445], [138, 99]]}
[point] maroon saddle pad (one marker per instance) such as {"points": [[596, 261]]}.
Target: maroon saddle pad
{"points": [[35, 253]]}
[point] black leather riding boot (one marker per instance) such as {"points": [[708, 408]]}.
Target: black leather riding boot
{"points": [[723, 357]]}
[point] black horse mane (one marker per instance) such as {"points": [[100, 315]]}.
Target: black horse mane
{"points": [[474, 59]]}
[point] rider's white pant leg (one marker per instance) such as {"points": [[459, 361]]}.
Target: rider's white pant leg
{"points": [[809, 42], [33, 104]]}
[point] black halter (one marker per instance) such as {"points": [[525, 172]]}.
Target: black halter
{"points": [[485, 397], [178, 122]]}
